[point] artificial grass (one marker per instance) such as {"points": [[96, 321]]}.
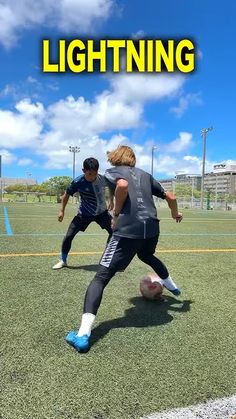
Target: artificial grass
{"points": [[145, 356]]}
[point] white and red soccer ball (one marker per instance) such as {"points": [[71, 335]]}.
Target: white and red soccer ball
{"points": [[150, 287]]}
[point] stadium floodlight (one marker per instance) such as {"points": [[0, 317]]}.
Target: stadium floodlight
{"points": [[74, 150], [204, 133], [28, 176], [153, 148]]}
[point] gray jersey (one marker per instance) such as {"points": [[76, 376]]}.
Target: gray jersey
{"points": [[138, 217]]}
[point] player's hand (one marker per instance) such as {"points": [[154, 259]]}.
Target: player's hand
{"points": [[110, 205], [114, 222], [178, 217], [60, 216]]}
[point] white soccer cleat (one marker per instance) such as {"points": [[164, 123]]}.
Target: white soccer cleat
{"points": [[60, 265]]}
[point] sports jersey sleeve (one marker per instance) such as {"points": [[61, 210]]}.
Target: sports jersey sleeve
{"points": [[112, 175], [157, 189], [72, 189], [115, 173]]}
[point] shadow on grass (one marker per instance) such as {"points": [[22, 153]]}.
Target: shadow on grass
{"points": [[91, 268], [145, 313]]}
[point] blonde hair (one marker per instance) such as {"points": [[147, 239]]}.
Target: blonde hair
{"points": [[123, 155]]}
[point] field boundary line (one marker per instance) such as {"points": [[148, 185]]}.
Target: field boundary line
{"points": [[5, 255], [7, 223]]}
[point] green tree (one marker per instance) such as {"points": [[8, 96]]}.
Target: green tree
{"points": [[15, 188], [57, 185], [183, 190]]}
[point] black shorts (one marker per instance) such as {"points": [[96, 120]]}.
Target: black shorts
{"points": [[81, 222], [120, 251]]}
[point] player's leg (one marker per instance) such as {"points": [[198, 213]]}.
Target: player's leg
{"points": [[104, 220], [146, 255], [78, 223], [118, 253]]}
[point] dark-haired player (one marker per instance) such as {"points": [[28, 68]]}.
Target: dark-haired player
{"points": [[93, 207]]}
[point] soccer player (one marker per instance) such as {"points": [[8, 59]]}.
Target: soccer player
{"points": [[135, 232], [93, 207]]}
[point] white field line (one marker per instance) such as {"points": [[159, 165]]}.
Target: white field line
{"points": [[213, 409]]}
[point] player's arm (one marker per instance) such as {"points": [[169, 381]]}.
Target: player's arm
{"points": [[121, 193], [110, 200], [170, 198], [64, 202], [172, 203]]}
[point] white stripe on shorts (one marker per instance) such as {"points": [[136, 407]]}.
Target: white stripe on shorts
{"points": [[109, 252]]}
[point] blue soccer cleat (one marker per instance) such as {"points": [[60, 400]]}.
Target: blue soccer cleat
{"points": [[176, 291], [80, 343], [169, 284]]}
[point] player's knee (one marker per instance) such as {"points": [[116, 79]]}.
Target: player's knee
{"points": [[103, 275], [144, 257]]}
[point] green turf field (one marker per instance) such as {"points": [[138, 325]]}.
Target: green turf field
{"points": [[145, 357]]}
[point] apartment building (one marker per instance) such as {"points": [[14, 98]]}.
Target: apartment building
{"points": [[8, 181], [182, 179], [222, 180]]}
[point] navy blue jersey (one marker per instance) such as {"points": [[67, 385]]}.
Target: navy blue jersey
{"points": [[138, 217], [92, 195]]}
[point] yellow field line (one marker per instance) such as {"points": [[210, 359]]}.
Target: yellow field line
{"points": [[99, 253]]}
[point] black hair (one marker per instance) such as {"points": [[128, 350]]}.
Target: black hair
{"points": [[91, 164]]}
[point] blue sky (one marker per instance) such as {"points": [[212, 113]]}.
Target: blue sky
{"points": [[41, 115]]}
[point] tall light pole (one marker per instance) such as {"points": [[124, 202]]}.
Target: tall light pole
{"points": [[192, 189], [28, 175], [204, 132], [216, 191], [74, 149], [153, 148]]}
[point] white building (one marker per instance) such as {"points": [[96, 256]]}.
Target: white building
{"points": [[8, 181], [222, 180], [182, 179]]}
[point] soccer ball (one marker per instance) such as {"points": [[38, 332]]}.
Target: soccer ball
{"points": [[150, 287]]}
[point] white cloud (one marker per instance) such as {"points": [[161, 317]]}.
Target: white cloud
{"points": [[27, 108], [139, 34], [31, 79], [230, 162], [7, 157], [81, 14], [48, 132], [21, 128], [185, 102], [67, 15], [170, 165], [142, 88], [28, 88], [182, 143], [25, 162], [8, 90], [199, 54]]}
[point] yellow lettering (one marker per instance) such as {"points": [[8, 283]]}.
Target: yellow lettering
{"points": [[47, 67], [96, 55], [116, 44], [161, 54], [150, 56], [189, 57], [132, 54], [80, 66], [62, 58], [143, 55]]}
